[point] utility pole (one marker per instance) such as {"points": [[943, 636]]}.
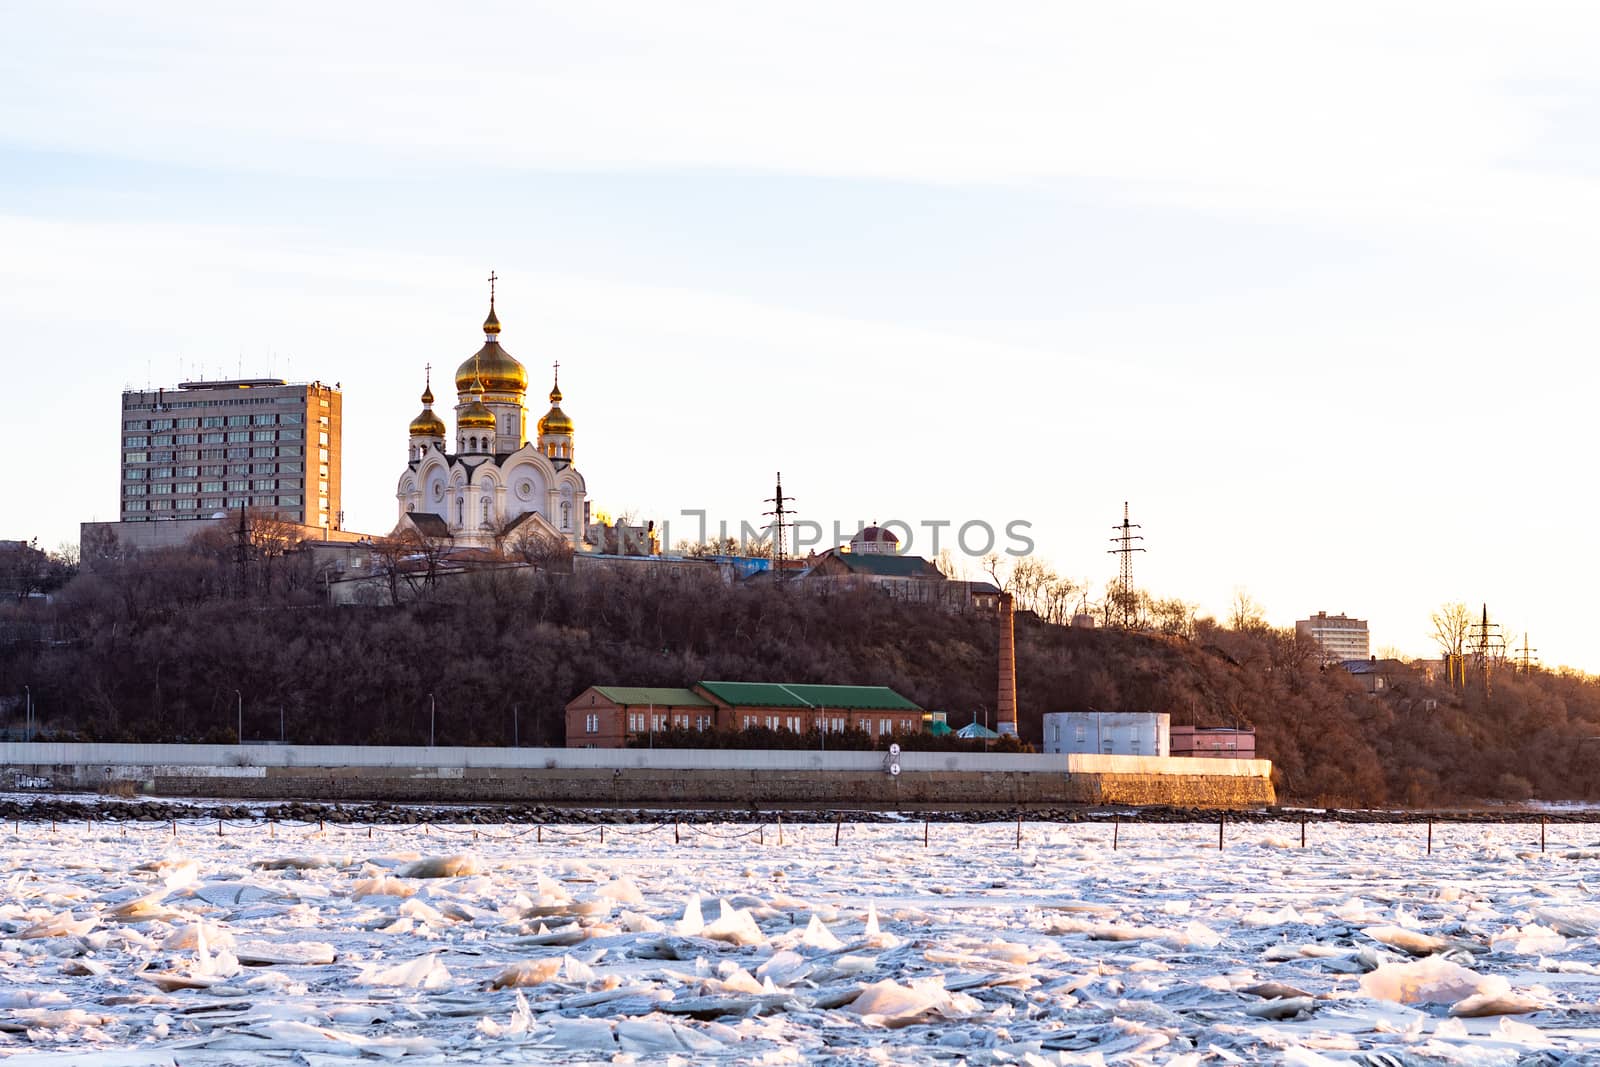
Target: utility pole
{"points": [[1527, 655], [240, 707], [1125, 549], [431, 709], [781, 515], [27, 721]]}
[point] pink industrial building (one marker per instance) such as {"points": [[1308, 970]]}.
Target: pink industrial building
{"points": [[1215, 742]]}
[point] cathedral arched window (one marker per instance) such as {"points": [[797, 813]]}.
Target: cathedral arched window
{"points": [[461, 512], [484, 508], [566, 514]]}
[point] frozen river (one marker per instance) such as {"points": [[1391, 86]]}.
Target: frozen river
{"points": [[127, 945]]}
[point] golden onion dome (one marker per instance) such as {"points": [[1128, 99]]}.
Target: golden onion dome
{"points": [[427, 424], [499, 371], [475, 417], [555, 420]]}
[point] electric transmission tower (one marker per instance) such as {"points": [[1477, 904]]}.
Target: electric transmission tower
{"points": [[1490, 645], [782, 515], [1526, 657], [1125, 599]]}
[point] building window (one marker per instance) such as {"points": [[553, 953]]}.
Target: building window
{"points": [[592, 724], [1078, 733], [885, 726]]}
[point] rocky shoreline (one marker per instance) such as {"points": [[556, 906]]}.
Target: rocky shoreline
{"points": [[55, 808]]}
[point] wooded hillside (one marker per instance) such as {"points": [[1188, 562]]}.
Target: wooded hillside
{"points": [[151, 648]]}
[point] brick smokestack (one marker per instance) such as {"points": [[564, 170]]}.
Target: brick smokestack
{"points": [[1005, 707]]}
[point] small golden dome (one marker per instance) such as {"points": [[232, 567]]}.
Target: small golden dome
{"points": [[476, 417], [555, 421], [427, 424], [427, 395], [491, 325]]}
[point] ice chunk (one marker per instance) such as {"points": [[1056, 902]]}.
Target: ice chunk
{"points": [[623, 891], [692, 922], [1431, 981], [527, 973], [147, 908], [303, 863], [457, 866], [1498, 1000], [1570, 921], [383, 885], [582, 1034], [1530, 940], [888, 1003], [1406, 940], [819, 936], [263, 953], [735, 926], [189, 938], [61, 924], [425, 972]]}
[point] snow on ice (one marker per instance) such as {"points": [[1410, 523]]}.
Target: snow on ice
{"points": [[125, 947]]}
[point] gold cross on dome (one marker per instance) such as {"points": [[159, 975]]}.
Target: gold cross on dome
{"points": [[492, 277]]}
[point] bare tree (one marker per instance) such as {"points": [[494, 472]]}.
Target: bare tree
{"points": [[1452, 624], [1245, 614], [539, 548]]}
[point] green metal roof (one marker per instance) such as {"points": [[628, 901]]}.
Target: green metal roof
{"points": [[639, 695], [887, 565], [795, 695]]}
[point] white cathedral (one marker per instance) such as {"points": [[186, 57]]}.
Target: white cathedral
{"points": [[497, 486]]}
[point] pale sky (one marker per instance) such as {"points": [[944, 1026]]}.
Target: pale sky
{"points": [[1311, 287]]}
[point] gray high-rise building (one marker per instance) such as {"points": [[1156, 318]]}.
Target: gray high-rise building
{"points": [[258, 443]]}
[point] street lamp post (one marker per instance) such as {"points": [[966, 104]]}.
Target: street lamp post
{"points": [[431, 709], [516, 733], [27, 720], [240, 698]]}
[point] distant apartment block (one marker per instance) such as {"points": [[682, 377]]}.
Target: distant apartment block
{"points": [[205, 447], [1341, 637]]}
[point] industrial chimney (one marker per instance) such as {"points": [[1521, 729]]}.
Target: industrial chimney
{"points": [[1005, 707]]}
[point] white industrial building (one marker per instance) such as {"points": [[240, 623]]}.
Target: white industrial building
{"points": [[1108, 733]]}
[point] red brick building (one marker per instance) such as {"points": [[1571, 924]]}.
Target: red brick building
{"points": [[611, 716], [606, 716]]}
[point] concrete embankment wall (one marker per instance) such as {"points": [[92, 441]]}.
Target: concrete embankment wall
{"points": [[637, 776]]}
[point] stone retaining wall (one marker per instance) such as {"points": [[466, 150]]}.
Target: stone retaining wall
{"points": [[932, 789]]}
